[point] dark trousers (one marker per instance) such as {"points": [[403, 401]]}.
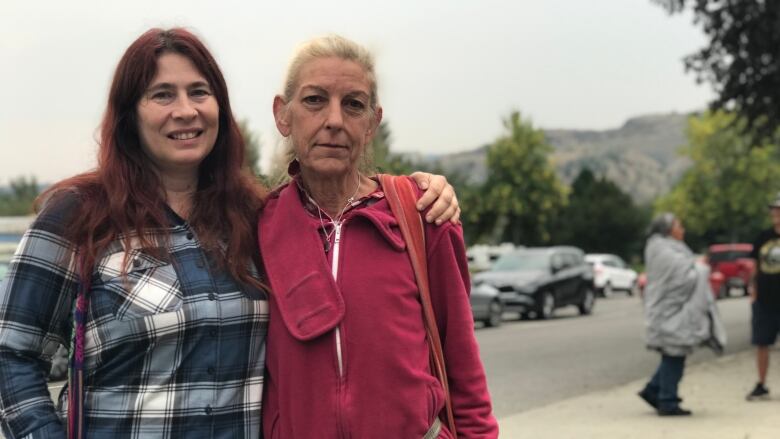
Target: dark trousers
{"points": [[665, 381]]}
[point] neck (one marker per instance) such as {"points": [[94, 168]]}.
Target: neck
{"points": [[179, 191], [333, 194]]}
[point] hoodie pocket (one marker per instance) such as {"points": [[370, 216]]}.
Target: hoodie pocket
{"points": [[435, 400]]}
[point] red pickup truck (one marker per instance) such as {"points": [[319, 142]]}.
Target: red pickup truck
{"points": [[733, 261]]}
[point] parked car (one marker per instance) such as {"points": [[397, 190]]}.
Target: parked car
{"points": [[733, 261], [481, 257], [611, 273], [486, 304], [536, 281]]}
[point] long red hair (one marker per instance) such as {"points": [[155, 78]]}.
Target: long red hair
{"points": [[123, 196]]}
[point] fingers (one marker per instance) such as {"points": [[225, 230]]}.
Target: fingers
{"points": [[443, 208], [439, 192], [422, 179], [435, 185]]}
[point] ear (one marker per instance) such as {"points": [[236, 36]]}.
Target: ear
{"points": [[281, 116], [377, 119]]}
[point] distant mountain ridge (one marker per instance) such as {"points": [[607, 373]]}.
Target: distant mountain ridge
{"points": [[641, 156]]}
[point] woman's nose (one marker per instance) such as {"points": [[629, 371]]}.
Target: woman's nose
{"points": [[184, 109], [335, 119]]}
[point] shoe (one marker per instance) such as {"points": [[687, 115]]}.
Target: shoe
{"points": [[759, 392], [649, 398], [677, 411]]}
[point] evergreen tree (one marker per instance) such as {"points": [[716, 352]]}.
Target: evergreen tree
{"points": [[600, 218]]}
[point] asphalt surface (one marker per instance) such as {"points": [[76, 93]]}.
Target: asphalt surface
{"points": [[531, 364], [534, 365]]}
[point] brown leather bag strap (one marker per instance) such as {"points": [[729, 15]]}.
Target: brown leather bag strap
{"points": [[402, 198]]}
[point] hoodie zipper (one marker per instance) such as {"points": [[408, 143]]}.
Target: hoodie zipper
{"points": [[340, 410], [335, 272]]}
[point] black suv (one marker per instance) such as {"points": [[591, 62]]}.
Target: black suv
{"points": [[539, 280]]}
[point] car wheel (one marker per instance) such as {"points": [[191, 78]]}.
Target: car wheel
{"points": [[588, 300], [607, 291], [634, 289], [495, 311], [546, 306]]}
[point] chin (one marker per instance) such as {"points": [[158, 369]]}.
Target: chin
{"points": [[331, 169]]}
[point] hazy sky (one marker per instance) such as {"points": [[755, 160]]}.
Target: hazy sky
{"points": [[449, 70]]}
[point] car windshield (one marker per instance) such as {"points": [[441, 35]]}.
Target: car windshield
{"points": [[522, 261]]}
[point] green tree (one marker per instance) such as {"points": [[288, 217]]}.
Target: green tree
{"points": [[723, 196], [600, 218], [522, 195], [741, 59], [19, 198], [252, 145]]}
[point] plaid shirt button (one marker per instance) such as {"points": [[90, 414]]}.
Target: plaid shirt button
{"points": [[208, 410], [212, 296]]}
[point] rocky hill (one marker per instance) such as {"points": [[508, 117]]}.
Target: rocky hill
{"points": [[641, 156]]}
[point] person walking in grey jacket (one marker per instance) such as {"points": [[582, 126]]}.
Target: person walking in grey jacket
{"points": [[680, 311]]}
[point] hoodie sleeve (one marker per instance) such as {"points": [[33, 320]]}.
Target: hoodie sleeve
{"points": [[450, 288]]}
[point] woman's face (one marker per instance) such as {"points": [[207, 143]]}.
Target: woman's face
{"points": [[328, 118], [678, 231], [178, 116]]}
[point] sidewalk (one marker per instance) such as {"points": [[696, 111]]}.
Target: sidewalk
{"points": [[715, 392]]}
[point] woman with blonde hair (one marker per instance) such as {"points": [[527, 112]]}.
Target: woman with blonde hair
{"points": [[347, 348]]}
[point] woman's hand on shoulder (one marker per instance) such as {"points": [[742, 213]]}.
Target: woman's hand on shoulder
{"points": [[439, 192]]}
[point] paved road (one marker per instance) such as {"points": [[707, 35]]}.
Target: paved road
{"points": [[534, 363]]}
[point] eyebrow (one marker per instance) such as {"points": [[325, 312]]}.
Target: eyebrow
{"points": [[319, 89], [169, 86]]}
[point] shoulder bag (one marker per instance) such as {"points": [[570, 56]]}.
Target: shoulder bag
{"points": [[402, 198]]}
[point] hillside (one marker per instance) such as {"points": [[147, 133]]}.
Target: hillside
{"points": [[641, 156]]}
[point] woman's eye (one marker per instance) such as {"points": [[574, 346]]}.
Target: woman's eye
{"points": [[355, 105], [313, 99], [163, 95], [200, 93]]}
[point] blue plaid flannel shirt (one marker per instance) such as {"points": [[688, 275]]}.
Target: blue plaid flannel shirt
{"points": [[173, 349]]}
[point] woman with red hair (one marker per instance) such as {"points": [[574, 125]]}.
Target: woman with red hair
{"points": [[146, 267]]}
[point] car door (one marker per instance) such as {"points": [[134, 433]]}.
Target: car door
{"points": [[570, 277], [559, 284], [616, 273], [627, 275]]}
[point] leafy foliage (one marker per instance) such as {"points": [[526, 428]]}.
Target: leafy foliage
{"points": [[742, 60], [252, 145], [600, 218], [723, 196], [522, 195], [18, 200]]}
